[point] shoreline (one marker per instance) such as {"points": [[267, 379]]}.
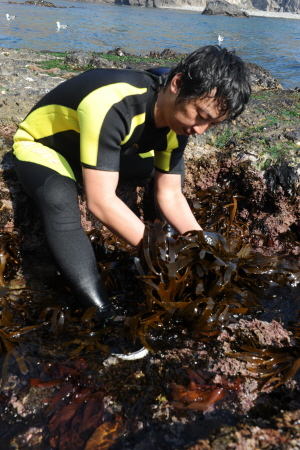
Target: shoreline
{"points": [[251, 12]]}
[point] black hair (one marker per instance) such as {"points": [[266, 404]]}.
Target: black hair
{"points": [[212, 68]]}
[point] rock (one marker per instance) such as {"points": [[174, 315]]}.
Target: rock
{"points": [[118, 52], [98, 63], [223, 8], [40, 3], [293, 136], [78, 60], [261, 78], [167, 53], [292, 6]]}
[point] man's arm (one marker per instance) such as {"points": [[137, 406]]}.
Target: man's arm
{"points": [[172, 203], [102, 201]]}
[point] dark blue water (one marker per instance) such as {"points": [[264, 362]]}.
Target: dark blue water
{"points": [[270, 42]]}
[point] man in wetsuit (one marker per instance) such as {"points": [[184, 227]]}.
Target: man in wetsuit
{"points": [[106, 124]]}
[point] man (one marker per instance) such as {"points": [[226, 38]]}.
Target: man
{"points": [[107, 123]]}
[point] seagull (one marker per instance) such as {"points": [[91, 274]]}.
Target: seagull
{"points": [[220, 38], [9, 17], [60, 25]]}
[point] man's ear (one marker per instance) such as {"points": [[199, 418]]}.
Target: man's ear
{"points": [[176, 83]]}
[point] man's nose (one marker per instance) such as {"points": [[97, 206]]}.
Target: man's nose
{"points": [[200, 129]]}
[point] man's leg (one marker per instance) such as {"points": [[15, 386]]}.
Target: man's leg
{"points": [[56, 197]]}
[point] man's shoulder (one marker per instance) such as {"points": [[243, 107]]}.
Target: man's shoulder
{"points": [[110, 76]]}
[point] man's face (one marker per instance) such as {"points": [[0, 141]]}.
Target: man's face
{"points": [[194, 117]]}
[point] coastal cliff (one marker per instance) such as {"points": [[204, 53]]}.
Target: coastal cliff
{"points": [[292, 6]]}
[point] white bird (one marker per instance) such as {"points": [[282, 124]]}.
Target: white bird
{"points": [[9, 17], [220, 38], [60, 25]]}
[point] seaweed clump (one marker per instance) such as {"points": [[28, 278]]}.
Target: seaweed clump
{"points": [[205, 277], [204, 283]]}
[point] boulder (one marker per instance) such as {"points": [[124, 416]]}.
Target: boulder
{"points": [[261, 78], [78, 60], [223, 8]]}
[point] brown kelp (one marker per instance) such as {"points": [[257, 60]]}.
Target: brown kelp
{"points": [[9, 255], [199, 283], [198, 278], [208, 278]]}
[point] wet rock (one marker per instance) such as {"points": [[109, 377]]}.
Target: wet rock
{"points": [[78, 60], [83, 61], [40, 3], [293, 136], [282, 176], [261, 78], [165, 54], [118, 52], [223, 8], [97, 63]]}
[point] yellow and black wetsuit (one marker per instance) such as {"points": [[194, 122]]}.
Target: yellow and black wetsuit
{"points": [[101, 119], [95, 118]]}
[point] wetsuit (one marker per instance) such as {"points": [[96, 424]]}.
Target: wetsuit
{"points": [[101, 119]]}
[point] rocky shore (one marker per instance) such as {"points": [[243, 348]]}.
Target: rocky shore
{"points": [[251, 12], [259, 152], [256, 157]]}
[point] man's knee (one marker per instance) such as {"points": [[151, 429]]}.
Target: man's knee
{"points": [[61, 203]]}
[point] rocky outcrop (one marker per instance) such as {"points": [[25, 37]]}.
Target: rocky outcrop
{"points": [[223, 8], [40, 3], [261, 78], [292, 6], [277, 5]]}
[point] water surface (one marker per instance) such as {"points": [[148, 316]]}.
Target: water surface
{"points": [[270, 42]]}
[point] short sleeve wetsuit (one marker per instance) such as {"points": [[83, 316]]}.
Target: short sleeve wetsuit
{"points": [[96, 120]]}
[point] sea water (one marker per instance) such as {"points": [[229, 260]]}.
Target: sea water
{"points": [[273, 43]]}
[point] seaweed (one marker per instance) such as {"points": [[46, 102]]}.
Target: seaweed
{"points": [[76, 411], [197, 277], [199, 282], [9, 255], [201, 391]]}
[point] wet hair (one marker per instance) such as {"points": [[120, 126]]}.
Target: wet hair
{"points": [[212, 68]]}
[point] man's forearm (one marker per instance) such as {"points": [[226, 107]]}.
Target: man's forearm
{"points": [[120, 220], [177, 213]]}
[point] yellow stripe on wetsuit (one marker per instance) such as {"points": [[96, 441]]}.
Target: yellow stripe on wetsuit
{"points": [[162, 160], [136, 121], [98, 103], [37, 153], [87, 120]]}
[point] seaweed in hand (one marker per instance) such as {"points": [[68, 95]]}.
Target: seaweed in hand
{"points": [[197, 278]]}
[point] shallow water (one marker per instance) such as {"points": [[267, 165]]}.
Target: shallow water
{"points": [[270, 42]]}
